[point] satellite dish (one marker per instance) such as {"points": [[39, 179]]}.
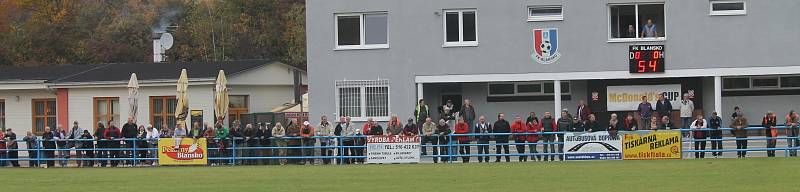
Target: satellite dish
{"points": [[166, 41]]}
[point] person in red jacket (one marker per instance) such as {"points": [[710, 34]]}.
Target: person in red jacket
{"points": [[463, 141], [534, 126], [519, 128]]}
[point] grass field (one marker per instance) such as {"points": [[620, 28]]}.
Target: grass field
{"points": [[755, 174]]}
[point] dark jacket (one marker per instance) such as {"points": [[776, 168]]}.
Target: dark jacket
{"points": [[566, 124], [237, 135], [501, 126], [468, 113], [293, 131], [549, 125], [100, 133], [629, 125], [129, 130], [86, 144], [410, 129], [715, 123], [667, 125], [48, 142], [375, 130], [483, 128], [663, 108], [592, 126]]}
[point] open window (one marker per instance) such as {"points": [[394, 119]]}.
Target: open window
{"points": [[636, 22], [545, 13]]}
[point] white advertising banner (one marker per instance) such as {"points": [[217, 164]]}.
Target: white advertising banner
{"points": [[393, 149], [627, 98], [592, 146]]}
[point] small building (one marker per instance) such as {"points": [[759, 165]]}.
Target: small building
{"points": [[32, 98]]}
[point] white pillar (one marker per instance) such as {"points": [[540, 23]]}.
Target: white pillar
{"points": [[718, 94], [419, 93], [557, 98]]}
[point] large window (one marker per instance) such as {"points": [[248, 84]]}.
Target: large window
{"points": [[761, 82], [2, 114], [362, 30], [237, 106], [43, 114], [545, 13], [461, 27], [363, 99], [630, 21], [162, 110], [727, 8], [526, 88], [106, 109]]}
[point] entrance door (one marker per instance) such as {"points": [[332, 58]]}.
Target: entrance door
{"points": [[455, 98]]}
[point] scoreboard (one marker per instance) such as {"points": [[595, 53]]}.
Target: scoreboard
{"points": [[646, 58]]}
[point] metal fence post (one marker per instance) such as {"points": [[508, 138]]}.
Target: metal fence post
{"points": [[38, 152], [449, 148], [134, 152], [233, 152]]}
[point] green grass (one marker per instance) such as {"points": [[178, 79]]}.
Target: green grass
{"points": [[755, 174]]}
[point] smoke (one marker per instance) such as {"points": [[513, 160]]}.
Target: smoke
{"points": [[166, 16]]}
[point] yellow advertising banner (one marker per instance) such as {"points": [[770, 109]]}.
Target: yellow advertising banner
{"points": [[638, 145], [189, 152]]}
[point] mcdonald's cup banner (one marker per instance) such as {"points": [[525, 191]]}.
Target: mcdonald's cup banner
{"points": [[189, 152], [592, 146], [651, 145], [393, 149], [627, 98]]}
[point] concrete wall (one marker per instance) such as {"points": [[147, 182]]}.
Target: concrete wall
{"points": [[694, 39]]}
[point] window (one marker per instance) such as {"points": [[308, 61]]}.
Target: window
{"points": [[736, 83], [2, 114], [362, 99], [237, 106], [44, 114], [545, 13], [106, 109], [786, 82], [525, 88], [162, 110], [460, 28], [628, 22], [727, 8], [362, 31], [765, 82]]}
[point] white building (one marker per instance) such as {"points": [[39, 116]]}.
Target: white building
{"points": [[32, 98]]}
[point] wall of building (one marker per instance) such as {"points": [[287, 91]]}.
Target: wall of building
{"points": [[19, 111], [694, 39]]}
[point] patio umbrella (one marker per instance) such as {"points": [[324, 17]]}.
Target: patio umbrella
{"points": [[182, 109], [133, 93], [221, 97]]}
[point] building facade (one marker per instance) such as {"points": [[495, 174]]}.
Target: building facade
{"points": [[374, 58], [49, 96]]}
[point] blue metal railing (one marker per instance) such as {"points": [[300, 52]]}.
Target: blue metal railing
{"points": [[344, 149]]}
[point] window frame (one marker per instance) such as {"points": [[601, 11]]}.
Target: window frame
{"points": [[362, 44], [636, 10], [110, 115], [45, 116], [238, 112], [517, 93], [460, 42], [165, 110], [726, 12], [362, 85], [752, 87], [532, 18]]}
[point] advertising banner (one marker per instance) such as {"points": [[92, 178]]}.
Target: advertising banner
{"points": [[627, 98], [189, 152], [393, 149], [592, 146], [651, 145]]}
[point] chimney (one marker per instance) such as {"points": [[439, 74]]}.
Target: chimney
{"points": [[158, 51]]}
